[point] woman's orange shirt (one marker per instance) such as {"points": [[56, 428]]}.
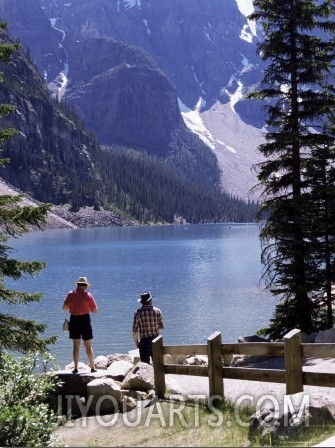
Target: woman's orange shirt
{"points": [[80, 302]]}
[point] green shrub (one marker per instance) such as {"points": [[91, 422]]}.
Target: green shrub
{"points": [[25, 417]]}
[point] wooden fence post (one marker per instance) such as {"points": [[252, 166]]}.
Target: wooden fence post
{"points": [[293, 362], [215, 365], [158, 363]]}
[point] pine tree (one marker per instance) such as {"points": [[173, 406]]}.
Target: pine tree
{"points": [[17, 333], [299, 44]]}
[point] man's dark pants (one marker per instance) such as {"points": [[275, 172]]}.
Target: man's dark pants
{"points": [[146, 349]]}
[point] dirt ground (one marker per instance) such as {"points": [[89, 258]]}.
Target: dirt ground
{"points": [[109, 430], [140, 427]]}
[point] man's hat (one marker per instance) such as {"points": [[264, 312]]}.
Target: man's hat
{"points": [[145, 297], [82, 281]]}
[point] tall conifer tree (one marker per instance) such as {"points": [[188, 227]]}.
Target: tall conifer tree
{"points": [[16, 333], [299, 45]]}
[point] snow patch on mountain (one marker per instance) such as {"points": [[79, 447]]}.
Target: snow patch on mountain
{"points": [[237, 95], [246, 8], [128, 4], [58, 86], [193, 121], [145, 22]]}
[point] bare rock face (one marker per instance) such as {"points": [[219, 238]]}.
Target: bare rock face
{"points": [[43, 39], [136, 104], [75, 384]]}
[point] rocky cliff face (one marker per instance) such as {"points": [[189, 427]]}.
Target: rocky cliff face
{"points": [[204, 47], [123, 97], [206, 50], [38, 36], [48, 139], [54, 159]]}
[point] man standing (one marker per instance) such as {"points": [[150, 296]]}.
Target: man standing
{"points": [[148, 320]]}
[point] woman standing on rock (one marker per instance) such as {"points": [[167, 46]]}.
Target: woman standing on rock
{"points": [[80, 303]]}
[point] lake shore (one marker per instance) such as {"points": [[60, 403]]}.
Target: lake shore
{"points": [[61, 217]]}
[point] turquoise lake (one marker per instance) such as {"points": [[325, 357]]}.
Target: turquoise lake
{"points": [[205, 278]]}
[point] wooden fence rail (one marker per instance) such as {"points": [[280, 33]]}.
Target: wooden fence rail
{"points": [[291, 349]]}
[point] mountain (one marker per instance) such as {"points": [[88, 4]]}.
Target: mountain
{"points": [[56, 159], [202, 54]]}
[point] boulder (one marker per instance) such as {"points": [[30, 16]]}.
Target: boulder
{"points": [[307, 338], [301, 411], [253, 338], [135, 394], [199, 360], [103, 396], [82, 368], [140, 377], [172, 386], [227, 360], [265, 362], [175, 359], [134, 355], [327, 336], [75, 384], [260, 362], [118, 357], [101, 362], [127, 404], [119, 369]]}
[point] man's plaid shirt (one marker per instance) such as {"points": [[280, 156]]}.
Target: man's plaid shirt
{"points": [[148, 320]]}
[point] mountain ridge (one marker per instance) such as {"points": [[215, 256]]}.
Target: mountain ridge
{"points": [[207, 51], [146, 120]]}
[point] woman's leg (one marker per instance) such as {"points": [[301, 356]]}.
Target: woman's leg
{"points": [[89, 351], [76, 346]]}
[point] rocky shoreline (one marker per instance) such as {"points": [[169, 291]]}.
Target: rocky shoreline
{"points": [[60, 216]]}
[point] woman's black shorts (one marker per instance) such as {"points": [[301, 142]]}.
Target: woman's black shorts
{"points": [[80, 327]]}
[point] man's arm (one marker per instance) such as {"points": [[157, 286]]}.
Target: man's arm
{"points": [[135, 330], [135, 337], [160, 322]]}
